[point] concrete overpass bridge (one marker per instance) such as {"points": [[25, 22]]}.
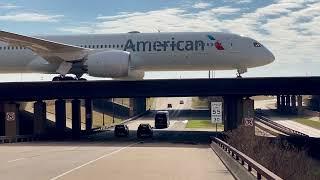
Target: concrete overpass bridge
{"points": [[236, 93]]}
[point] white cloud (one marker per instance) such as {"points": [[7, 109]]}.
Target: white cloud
{"points": [[239, 1], [224, 10], [290, 28], [30, 17], [8, 6], [201, 5], [77, 30]]}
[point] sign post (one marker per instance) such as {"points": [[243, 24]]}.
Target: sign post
{"points": [[216, 113]]}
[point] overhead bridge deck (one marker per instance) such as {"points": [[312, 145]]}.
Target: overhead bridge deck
{"points": [[15, 91]]}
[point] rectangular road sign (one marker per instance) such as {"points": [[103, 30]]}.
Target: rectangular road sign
{"points": [[216, 112]]}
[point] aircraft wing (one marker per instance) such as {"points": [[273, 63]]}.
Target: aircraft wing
{"points": [[53, 52]]}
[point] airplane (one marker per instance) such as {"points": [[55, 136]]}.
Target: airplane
{"points": [[129, 55]]}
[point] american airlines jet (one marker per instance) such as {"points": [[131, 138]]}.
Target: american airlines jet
{"points": [[129, 55]]}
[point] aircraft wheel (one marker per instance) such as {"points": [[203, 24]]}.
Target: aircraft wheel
{"points": [[57, 78], [82, 79]]}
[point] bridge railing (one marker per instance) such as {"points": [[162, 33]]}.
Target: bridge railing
{"points": [[278, 126], [244, 159]]}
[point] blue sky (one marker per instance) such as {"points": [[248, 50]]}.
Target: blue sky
{"points": [[289, 28]]}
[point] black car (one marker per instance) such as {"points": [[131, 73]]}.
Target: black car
{"points": [[121, 130], [144, 130]]}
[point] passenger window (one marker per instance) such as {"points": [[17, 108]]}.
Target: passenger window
{"points": [[89, 46], [121, 45], [113, 45], [93, 46], [117, 45], [109, 45]]}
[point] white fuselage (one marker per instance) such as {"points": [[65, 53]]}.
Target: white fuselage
{"points": [[185, 51]]}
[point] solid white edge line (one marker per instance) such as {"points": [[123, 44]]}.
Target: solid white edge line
{"points": [[92, 161], [16, 160]]}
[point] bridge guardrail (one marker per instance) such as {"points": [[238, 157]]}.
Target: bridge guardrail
{"points": [[278, 126], [244, 159]]}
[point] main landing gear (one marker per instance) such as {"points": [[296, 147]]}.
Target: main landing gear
{"points": [[67, 78], [241, 71]]}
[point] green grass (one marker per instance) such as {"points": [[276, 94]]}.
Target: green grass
{"points": [[311, 123], [197, 103], [150, 103], [202, 124]]}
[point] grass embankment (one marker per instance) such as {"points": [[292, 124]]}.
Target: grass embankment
{"points": [[122, 101], [150, 103], [206, 124], [284, 158], [97, 117], [198, 103], [308, 122]]}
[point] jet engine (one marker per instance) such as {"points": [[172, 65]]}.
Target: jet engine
{"points": [[112, 64]]}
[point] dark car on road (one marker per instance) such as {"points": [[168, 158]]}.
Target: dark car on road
{"points": [[144, 130], [121, 130], [161, 120]]}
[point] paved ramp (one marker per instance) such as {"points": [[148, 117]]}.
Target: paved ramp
{"points": [[110, 160]]}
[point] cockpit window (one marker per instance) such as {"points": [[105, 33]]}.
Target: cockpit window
{"points": [[256, 44]]}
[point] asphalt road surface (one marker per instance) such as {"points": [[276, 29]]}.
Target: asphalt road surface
{"points": [[110, 160]]}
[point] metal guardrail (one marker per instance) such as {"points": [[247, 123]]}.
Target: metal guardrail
{"points": [[244, 159], [279, 127], [19, 138]]}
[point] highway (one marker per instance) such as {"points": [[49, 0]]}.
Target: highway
{"points": [[173, 153], [112, 160], [177, 120], [268, 104], [310, 131]]}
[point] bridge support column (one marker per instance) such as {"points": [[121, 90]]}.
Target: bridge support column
{"points": [[60, 110], [137, 106], [232, 112], [2, 120], [293, 104], [287, 103], [300, 109], [248, 115], [88, 105], [40, 118], [283, 103], [9, 119], [76, 118], [278, 102]]}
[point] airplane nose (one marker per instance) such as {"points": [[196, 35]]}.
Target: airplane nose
{"points": [[269, 57]]}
